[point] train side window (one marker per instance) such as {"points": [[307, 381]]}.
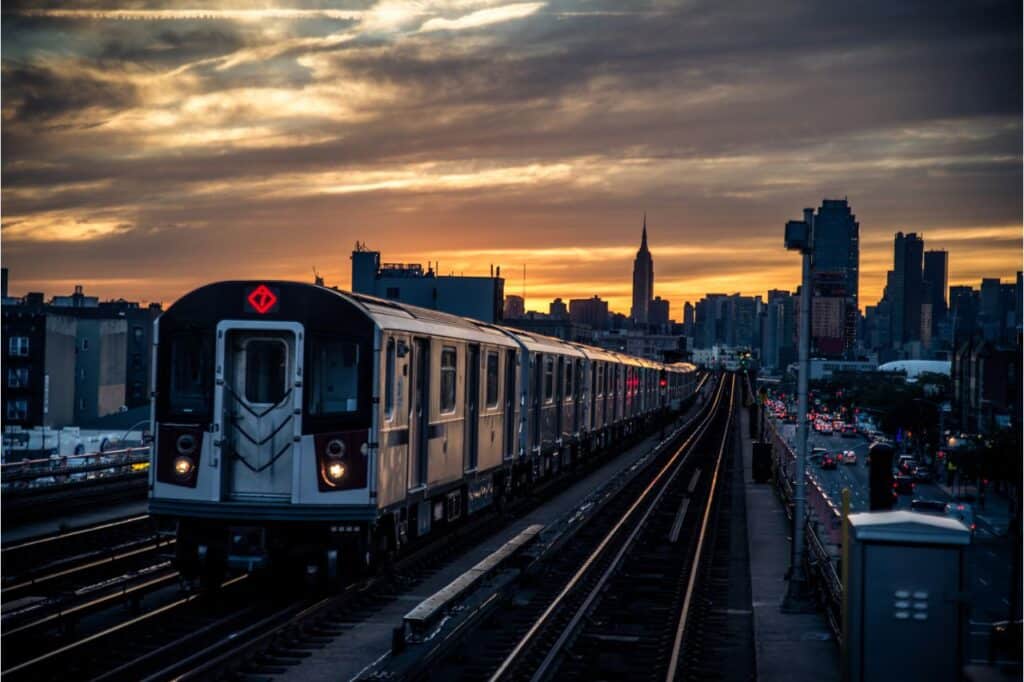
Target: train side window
{"points": [[448, 362], [333, 376], [549, 378], [266, 365], [568, 379], [492, 379], [191, 375], [389, 381]]}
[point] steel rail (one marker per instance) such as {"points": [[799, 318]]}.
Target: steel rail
{"points": [[103, 561], [63, 536], [684, 613], [111, 630], [578, 576]]}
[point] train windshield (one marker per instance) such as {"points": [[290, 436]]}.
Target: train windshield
{"points": [[191, 375], [333, 376]]}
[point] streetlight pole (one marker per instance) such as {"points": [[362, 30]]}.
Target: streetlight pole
{"points": [[800, 237]]}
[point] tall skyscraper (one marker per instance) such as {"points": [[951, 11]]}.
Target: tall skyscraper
{"points": [[688, 318], [905, 288], [643, 281], [836, 262], [936, 282], [657, 312]]}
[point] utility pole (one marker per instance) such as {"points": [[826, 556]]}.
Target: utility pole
{"points": [[800, 237]]}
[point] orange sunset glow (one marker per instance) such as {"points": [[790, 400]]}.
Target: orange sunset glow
{"points": [[149, 149]]}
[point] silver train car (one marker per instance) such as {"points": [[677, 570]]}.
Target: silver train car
{"points": [[298, 425]]}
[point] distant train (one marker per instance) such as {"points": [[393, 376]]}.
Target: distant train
{"points": [[300, 425]]}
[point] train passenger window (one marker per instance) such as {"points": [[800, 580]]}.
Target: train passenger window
{"points": [[266, 367], [389, 381], [448, 360], [549, 378], [568, 379], [333, 376], [492, 379], [191, 374]]}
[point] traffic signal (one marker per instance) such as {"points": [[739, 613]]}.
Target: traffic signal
{"points": [[880, 477]]}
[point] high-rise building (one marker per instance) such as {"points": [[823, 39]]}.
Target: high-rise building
{"points": [[589, 311], [688, 318], [643, 281], [905, 288], [515, 307], [837, 253], [963, 313], [657, 313], [558, 310], [936, 282]]}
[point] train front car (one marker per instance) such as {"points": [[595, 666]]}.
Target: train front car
{"points": [[263, 421]]}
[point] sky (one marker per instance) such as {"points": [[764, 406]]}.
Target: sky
{"points": [[151, 147]]}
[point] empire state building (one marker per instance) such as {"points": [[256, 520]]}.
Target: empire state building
{"points": [[643, 281]]}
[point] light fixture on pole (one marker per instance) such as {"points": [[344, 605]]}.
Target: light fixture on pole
{"points": [[800, 237]]}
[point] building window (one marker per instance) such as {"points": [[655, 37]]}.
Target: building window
{"points": [[17, 377], [18, 346], [393, 292], [389, 381], [137, 334], [492, 379], [448, 360], [17, 410], [549, 378]]}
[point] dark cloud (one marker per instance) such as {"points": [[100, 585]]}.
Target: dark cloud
{"points": [[38, 94]]}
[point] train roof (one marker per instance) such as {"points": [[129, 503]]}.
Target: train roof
{"points": [[224, 298]]}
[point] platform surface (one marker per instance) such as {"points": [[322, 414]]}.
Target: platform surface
{"points": [[789, 647]]}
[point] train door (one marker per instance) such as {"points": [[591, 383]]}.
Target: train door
{"points": [[510, 403], [472, 407], [559, 380], [538, 383], [419, 413], [259, 367], [577, 405]]}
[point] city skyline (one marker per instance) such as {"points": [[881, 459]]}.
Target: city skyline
{"points": [[148, 151]]}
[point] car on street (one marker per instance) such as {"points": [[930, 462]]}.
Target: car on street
{"points": [[906, 464], [903, 485], [849, 431], [963, 512], [816, 454], [928, 506], [849, 457], [829, 461], [922, 473]]}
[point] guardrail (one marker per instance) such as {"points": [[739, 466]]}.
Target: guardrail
{"points": [[823, 527], [59, 470]]}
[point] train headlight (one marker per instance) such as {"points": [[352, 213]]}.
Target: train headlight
{"points": [[183, 466], [335, 471]]}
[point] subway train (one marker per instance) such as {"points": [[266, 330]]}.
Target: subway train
{"points": [[299, 425]]}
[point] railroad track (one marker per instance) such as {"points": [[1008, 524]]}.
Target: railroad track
{"points": [[188, 638], [613, 601]]}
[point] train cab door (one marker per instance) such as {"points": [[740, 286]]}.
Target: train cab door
{"points": [[510, 404], [419, 413], [472, 408], [259, 399]]}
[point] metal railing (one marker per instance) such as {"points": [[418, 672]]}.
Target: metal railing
{"points": [[823, 527], [58, 470]]}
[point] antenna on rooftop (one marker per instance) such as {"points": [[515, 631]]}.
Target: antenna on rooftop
{"points": [[317, 279]]}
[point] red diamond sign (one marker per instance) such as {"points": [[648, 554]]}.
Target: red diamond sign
{"points": [[262, 299]]}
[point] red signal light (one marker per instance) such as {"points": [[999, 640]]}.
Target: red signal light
{"points": [[262, 299]]}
